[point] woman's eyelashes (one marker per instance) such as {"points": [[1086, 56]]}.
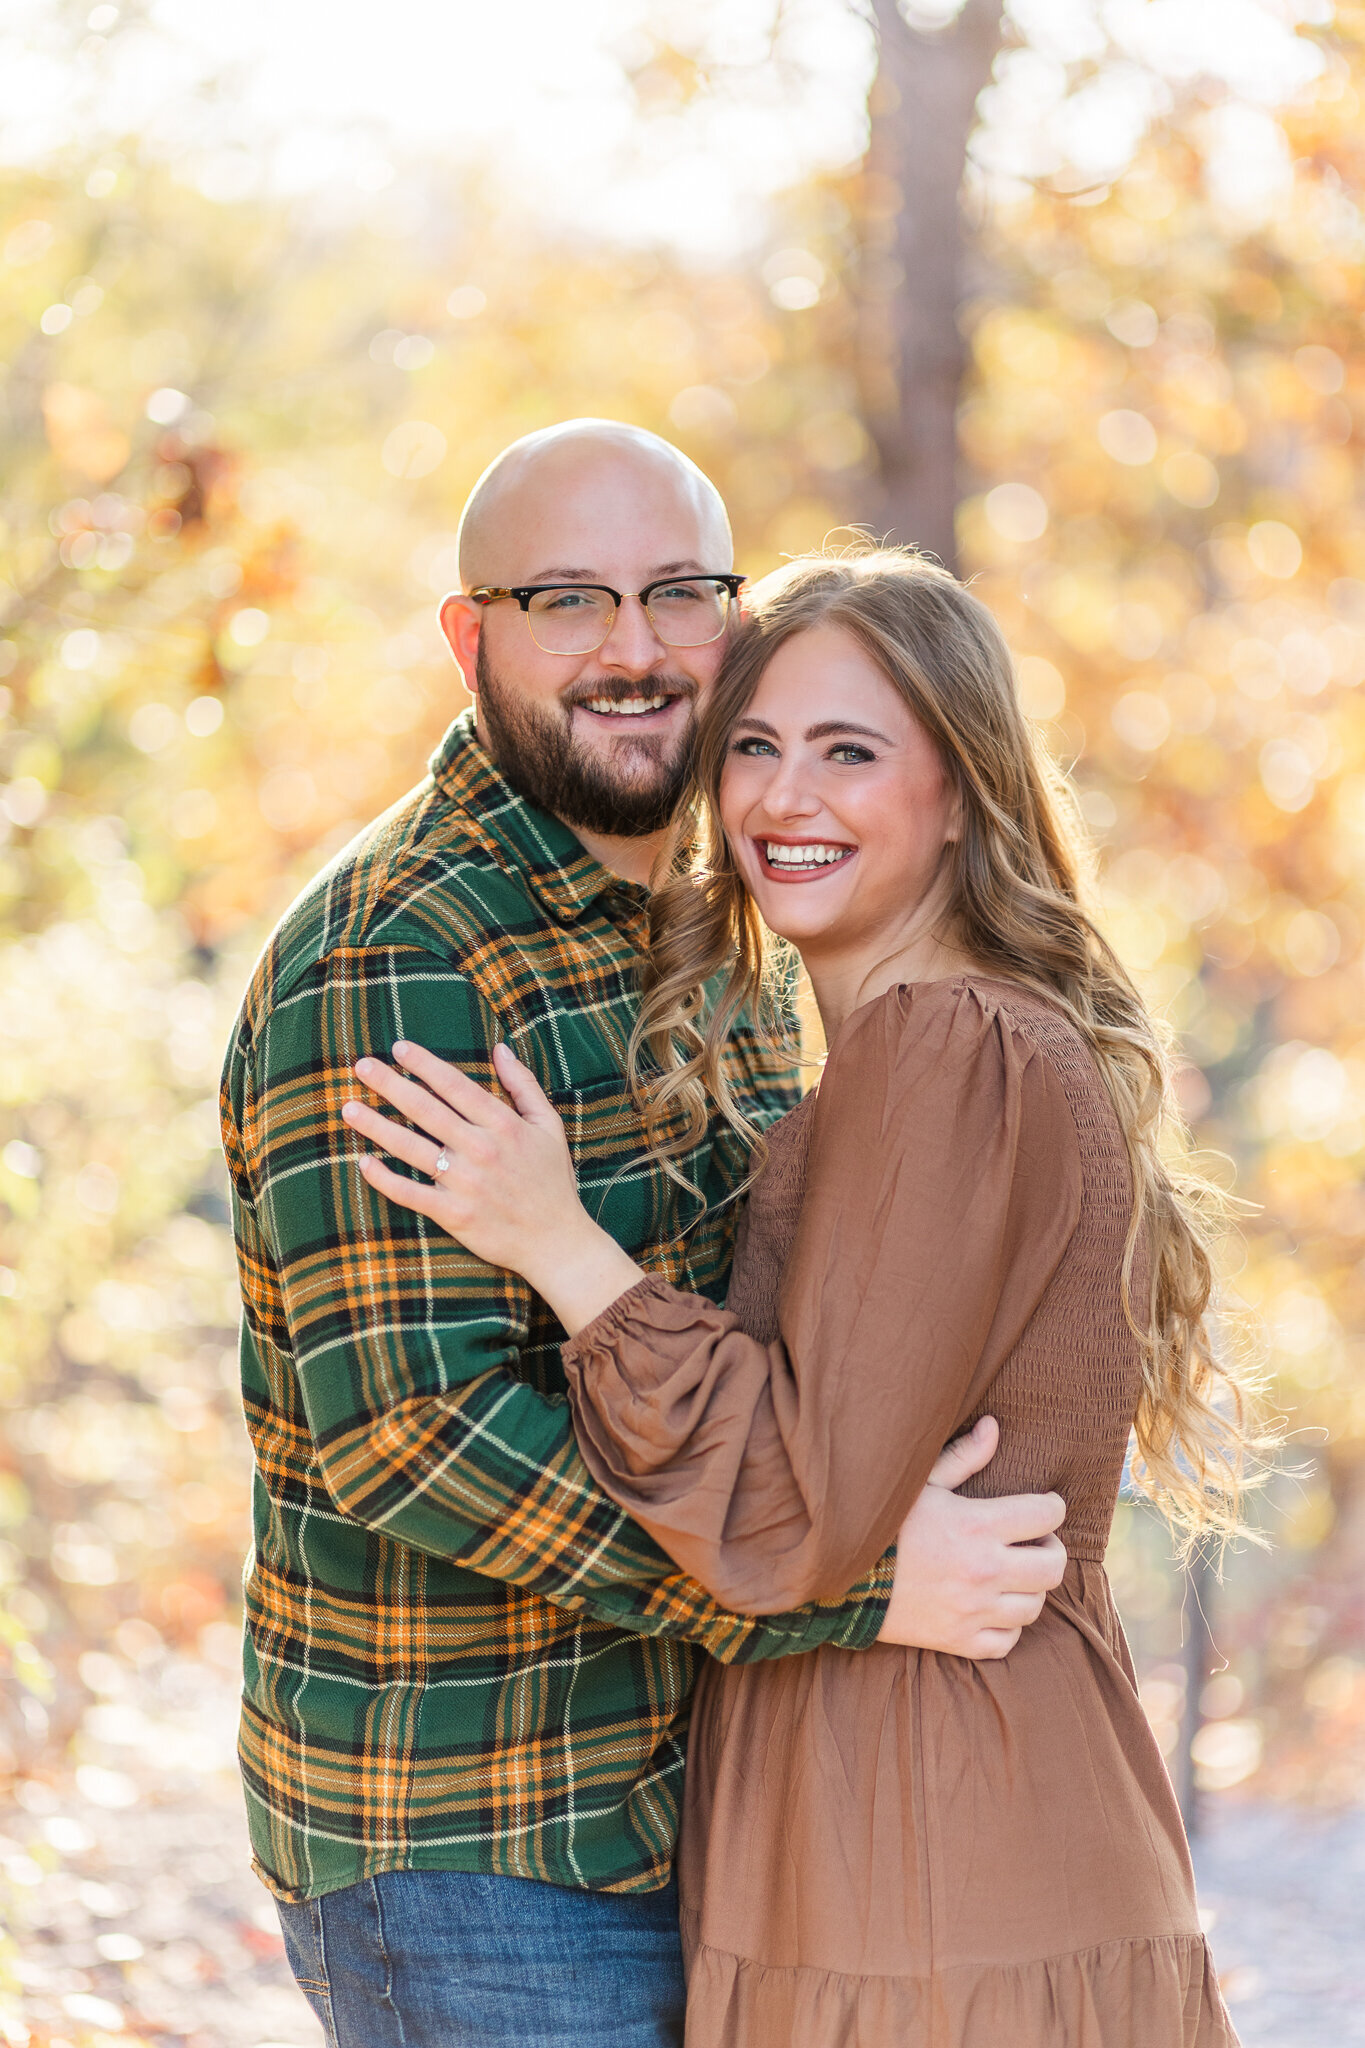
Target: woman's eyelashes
{"points": [[844, 753]]}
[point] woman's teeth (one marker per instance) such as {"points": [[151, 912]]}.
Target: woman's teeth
{"points": [[629, 707], [812, 856]]}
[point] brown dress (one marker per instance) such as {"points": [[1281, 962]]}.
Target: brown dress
{"points": [[889, 1848]]}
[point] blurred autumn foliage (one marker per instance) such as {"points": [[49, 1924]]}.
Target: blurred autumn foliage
{"points": [[1165, 430], [236, 438]]}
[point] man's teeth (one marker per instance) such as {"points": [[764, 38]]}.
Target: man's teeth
{"points": [[630, 707], [812, 856]]}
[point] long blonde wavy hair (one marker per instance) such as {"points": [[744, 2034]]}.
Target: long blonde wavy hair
{"points": [[1014, 905]]}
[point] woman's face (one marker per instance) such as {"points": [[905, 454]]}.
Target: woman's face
{"points": [[834, 799]]}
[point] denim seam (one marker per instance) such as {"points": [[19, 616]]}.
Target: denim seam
{"points": [[325, 1988], [389, 1998]]}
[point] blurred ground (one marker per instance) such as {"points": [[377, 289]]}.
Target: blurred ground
{"points": [[138, 1917], [1284, 1905], [139, 1921]]}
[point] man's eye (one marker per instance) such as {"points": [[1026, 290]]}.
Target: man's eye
{"points": [[676, 593], [568, 601]]}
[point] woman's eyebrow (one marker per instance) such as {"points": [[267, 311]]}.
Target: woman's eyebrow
{"points": [[822, 731], [833, 725]]}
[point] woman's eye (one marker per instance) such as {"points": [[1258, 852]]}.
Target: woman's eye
{"points": [[849, 755], [753, 746]]}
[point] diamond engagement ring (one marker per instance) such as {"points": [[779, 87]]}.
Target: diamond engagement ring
{"points": [[442, 1164]]}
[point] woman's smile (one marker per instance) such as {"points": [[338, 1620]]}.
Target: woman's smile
{"points": [[789, 860]]}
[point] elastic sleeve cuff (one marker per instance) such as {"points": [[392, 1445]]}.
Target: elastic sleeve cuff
{"points": [[652, 1301]]}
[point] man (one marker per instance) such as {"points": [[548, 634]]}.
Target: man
{"points": [[467, 1673]]}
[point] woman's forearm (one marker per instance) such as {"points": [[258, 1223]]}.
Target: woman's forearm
{"points": [[583, 1274]]}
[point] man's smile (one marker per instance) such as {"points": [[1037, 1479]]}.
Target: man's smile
{"points": [[641, 709]]}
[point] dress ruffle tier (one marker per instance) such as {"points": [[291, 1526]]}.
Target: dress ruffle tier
{"points": [[1123, 1994]]}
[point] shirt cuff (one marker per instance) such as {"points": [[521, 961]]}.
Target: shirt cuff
{"points": [[866, 1604]]}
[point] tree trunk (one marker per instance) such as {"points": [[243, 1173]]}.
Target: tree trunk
{"points": [[1198, 1659], [922, 107]]}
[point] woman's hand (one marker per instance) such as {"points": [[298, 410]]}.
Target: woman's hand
{"points": [[501, 1180]]}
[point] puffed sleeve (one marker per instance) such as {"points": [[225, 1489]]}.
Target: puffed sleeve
{"points": [[943, 1188]]}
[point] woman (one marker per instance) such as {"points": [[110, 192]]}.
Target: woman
{"points": [[890, 1846]]}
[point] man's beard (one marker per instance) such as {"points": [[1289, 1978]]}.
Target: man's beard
{"points": [[535, 749]]}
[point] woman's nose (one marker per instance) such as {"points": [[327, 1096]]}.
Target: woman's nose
{"points": [[790, 793]]}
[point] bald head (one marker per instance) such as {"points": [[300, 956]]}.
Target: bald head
{"points": [[565, 498]]}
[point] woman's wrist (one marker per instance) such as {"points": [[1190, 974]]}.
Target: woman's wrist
{"points": [[582, 1274]]}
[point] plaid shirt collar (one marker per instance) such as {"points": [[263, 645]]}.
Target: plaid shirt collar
{"points": [[560, 871]]}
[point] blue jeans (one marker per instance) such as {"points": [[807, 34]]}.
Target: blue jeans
{"points": [[436, 1958]]}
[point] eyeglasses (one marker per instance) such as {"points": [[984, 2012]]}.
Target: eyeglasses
{"points": [[576, 618]]}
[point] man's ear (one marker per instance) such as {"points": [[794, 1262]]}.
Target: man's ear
{"points": [[461, 622]]}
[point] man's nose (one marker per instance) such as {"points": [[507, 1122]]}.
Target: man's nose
{"points": [[632, 646]]}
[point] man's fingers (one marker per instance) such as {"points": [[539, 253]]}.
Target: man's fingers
{"points": [[994, 1642], [966, 1454], [464, 1096], [392, 1137], [1022, 1517], [1016, 1610], [1034, 1567]]}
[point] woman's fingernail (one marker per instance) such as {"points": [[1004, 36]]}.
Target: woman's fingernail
{"points": [[348, 1110], [366, 1066], [401, 1048]]}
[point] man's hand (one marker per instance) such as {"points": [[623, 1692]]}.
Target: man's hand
{"points": [[972, 1574]]}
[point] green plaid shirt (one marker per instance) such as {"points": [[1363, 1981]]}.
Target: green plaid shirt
{"points": [[459, 1653]]}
